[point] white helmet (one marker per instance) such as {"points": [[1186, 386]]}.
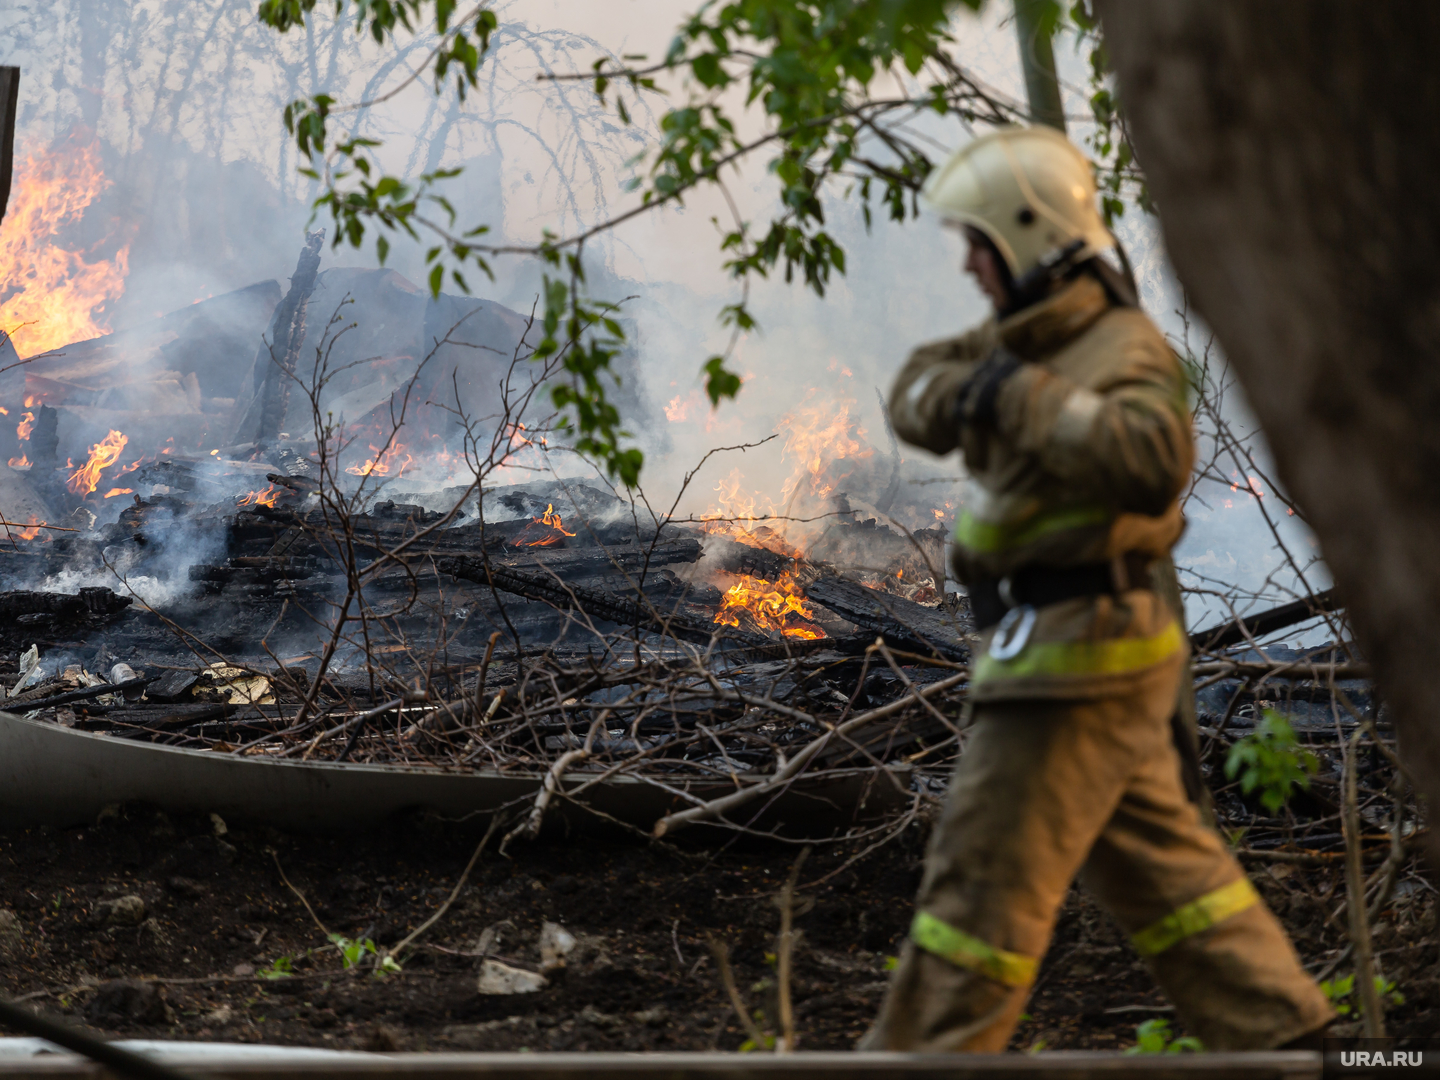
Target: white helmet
{"points": [[1029, 190]]}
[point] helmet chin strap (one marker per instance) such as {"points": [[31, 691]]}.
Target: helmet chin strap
{"points": [[1034, 285]]}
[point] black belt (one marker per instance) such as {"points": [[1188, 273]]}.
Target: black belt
{"points": [[1040, 586]]}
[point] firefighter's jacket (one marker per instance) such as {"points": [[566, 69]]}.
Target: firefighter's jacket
{"points": [[1089, 452]]}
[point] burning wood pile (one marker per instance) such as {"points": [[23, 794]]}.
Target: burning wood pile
{"points": [[183, 569], [562, 637]]}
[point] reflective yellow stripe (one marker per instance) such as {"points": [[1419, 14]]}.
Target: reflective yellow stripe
{"points": [[964, 950], [1195, 916], [1115, 656], [988, 536]]}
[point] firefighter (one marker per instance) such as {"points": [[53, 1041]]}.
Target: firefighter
{"points": [[1071, 414]]}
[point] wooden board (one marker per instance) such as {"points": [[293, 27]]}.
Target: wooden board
{"points": [[903, 623]]}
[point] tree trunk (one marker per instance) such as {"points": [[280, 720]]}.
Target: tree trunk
{"points": [[1293, 148]]}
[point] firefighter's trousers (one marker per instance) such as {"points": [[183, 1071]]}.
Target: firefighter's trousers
{"points": [[1048, 789]]}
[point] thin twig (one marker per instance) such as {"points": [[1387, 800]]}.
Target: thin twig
{"points": [[464, 876], [784, 953]]}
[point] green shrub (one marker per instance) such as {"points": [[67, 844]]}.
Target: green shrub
{"points": [[1271, 761], [1153, 1037]]}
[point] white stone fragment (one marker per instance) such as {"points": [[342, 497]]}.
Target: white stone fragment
{"points": [[497, 979], [556, 943]]}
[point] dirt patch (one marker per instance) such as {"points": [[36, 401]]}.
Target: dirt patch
{"points": [[161, 926]]}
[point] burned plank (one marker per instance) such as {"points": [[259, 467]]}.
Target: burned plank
{"points": [[583, 562], [738, 558], [1234, 631], [275, 367], [902, 623], [78, 695], [9, 100], [173, 685], [88, 601], [597, 603]]}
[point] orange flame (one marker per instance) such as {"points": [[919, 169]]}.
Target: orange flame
{"points": [[260, 498], [680, 407], [119, 491], [21, 462], [551, 521], [381, 464], [58, 293], [103, 454], [26, 425], [770, 605], [33, 531], [816, 435]]}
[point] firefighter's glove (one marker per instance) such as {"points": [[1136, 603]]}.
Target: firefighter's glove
{"points": [[976, 402]]}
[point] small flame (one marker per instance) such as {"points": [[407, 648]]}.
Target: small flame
{"points": [[680, 406], [33, 531], [551, 521], [119, 491], [21, 462], [260, 498], [26, 425], [103, 454], [770, 605], [381, 463]]}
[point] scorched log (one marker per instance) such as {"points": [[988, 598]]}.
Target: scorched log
{"points": [[901, 622], [596, 603]]}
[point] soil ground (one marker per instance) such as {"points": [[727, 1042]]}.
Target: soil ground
{"points": [[217, 915]]}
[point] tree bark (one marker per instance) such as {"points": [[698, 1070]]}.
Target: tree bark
{"points": [[1293, 148]]}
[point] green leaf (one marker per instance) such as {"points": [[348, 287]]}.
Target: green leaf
{"points": [[1270, 760], [719, 382]]}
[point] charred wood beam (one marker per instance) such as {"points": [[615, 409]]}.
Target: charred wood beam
{"points": [[163, 716], [901, 622], [9, 102], [596, 603], [81, 695], [578, 563], [737, 558], [581, 562], [301, 485], [266, 416], [89, 601], [1234, 631]]}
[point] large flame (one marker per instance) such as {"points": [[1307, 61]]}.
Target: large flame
{"points": [[771, 605], [103, 454], [817, 434], [53, 296]]}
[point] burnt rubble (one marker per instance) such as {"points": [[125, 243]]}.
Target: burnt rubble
{"points": [[561, 599], [214, 579]]}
